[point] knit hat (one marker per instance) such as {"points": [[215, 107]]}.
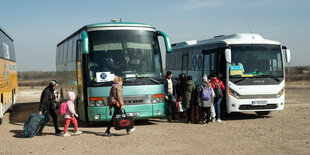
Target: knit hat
{"points": [[204, 78], [168, 73]]}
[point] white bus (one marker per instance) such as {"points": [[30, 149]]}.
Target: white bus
{"points": [[251, 67]]}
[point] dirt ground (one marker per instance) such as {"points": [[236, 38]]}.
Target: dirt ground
{"points": [[281, 132]]}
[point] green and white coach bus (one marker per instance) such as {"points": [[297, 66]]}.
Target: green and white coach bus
{"points": [[88, 60]]}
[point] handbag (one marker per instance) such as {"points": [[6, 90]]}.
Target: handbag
{"points": [[180, 108], [123, 121]]}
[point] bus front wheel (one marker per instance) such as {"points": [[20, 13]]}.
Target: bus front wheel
{"points": [[262, 113]]}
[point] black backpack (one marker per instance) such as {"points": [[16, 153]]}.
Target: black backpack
{"points": [[217, 90]]}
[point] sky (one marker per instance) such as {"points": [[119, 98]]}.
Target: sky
{"points": [[38, 26]]}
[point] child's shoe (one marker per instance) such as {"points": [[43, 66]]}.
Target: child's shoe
{"points": [[77, 132], [66, 134]]}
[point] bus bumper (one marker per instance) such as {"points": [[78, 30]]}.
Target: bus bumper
{"points": [[99, 114], [243, 105]]}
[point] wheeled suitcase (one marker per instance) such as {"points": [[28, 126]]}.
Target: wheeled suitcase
{"points": [[196, 115], [33, 124], [123, 121]]}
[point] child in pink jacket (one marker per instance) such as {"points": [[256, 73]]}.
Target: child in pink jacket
{"points": [[69, 115]]}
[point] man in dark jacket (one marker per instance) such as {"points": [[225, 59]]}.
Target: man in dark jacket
{"points": [[170, 93], [46, 106]]}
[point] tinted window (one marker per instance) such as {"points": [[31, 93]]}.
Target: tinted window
{"points": [[65, 52], [69, 50], [74, 48]]}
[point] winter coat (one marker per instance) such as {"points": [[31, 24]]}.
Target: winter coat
{"points": [[116, 94], [179, 87], [70, 106], [188, 89], [216, 80], [47, 97], [200, 101]]}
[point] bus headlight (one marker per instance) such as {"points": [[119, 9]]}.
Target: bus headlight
{"points": [[281, 92], [96, 101], [158, 98], [233, 93]]}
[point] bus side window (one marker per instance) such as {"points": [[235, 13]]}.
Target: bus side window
{"points": [[78, 50], [206, 67], [213, 65]]}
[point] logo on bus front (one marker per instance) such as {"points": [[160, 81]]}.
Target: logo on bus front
{"points": [[103, 76]]}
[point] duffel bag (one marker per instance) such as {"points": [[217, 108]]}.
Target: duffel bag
{"points": [[123, 121]]}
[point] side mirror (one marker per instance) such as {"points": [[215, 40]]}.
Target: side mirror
{"points": [[288, 55], [85, 42], [228, 55], [167, 41]]}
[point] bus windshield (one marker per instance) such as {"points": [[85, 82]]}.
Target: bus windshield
{"points": [[256, 60], [130, 54]]}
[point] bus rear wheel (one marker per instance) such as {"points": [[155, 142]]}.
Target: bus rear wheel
{"points": [[13, 103], [262, 113]]}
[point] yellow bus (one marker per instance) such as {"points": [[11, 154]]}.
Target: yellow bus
{"points": [[8, 74]]}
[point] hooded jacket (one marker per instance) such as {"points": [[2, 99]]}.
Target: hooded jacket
{"points": [[70, 105], [47, 97], [216, 80]]}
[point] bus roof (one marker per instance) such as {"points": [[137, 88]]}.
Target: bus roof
{"points": [[239, 38], [119, 24], [6, 34], [108, 24]]}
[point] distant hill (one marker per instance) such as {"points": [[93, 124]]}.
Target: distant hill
{"points": [[35, 78]]}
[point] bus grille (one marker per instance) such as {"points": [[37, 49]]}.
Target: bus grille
{"points": [[258, 96], [250, 107], [133, 100]]}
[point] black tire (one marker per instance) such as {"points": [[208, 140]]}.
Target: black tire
{"points": [[13, 103], [262, 113]]}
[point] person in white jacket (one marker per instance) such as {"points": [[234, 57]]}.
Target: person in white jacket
{"points": [[69, 115]]}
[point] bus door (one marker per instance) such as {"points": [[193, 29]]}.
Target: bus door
{"points": [[209, 62], [215, 62], [185, 64], [79, 75]]}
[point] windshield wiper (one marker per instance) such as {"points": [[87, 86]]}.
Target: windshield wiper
{"points": [[108, 83], [145, 77], [151, 79], [272, 77], [237, 81]]}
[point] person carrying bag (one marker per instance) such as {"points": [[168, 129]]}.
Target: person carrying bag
{"points": [[116, 101]]}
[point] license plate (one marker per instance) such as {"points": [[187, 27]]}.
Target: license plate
{"points": [[133, 114], [259, 102]]}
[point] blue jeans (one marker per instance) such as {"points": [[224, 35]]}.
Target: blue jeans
{"points": [[170, 106], [217, 106]]}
